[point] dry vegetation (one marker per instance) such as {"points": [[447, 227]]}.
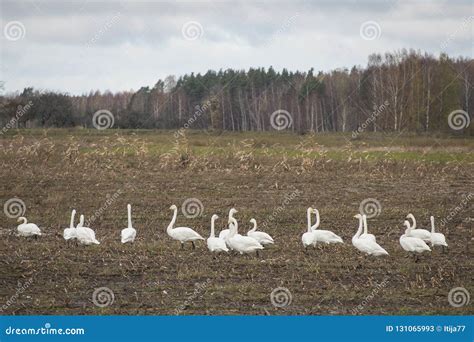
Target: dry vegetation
{"points": [[56, 170]]}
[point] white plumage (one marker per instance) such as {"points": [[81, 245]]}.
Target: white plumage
{"points": [[323, 236], [70, 233], [85, 235], [27, 229], [262, 237], [412, 244], [182, 234], [128, 234], [215, 244], [365, 234], [240, 243], [308, 237], [367, 246], [437, 239], [423, 234]]}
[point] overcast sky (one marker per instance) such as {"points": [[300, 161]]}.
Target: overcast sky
{"points": [[76, 46]]}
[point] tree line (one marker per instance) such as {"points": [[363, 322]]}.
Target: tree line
{"points": [[397, 91]]}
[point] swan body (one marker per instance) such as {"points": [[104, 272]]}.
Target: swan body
{"points": [[182, 234], [128, 234], [27, 229], [70, 233], [321, 235], [262, 237], [412, 244], [85, 235], [423, 234], [240, 243], [365, 234], [437, 239], [367, 245], [216, 244]]}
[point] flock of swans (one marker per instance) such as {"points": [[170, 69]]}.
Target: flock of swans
{"points": [[413, 240]]}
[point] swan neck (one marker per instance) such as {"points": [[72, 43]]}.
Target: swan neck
{"points": [[317, 219], [73, 214], [233, 227], [365, 224], [359, 231], [254, 227], [129, 210], [432, 225], [212, 227], [173, 220], [308, 216]]}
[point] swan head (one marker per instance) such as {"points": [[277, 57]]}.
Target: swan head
{"points": [[410, 216], [358, 216], [214, 217], [21, 218], [173, 207], [253, 221], [233, 211], [129, 206]]}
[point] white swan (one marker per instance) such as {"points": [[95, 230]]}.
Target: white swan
{"points": [[182, 234], [224, 232], [128, 234], [308, 237], [70, 233], [27, 229], [437, 239], [423, 234], [262, 237], [324, 236], [412, 244], [215, 244], [366, 246], [85, 235], [365, 234], [240, 243]]}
